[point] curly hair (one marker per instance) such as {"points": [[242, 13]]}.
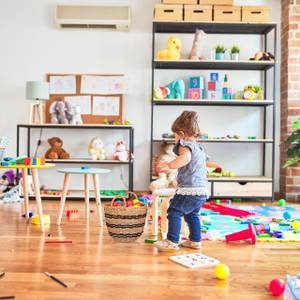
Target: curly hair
{"points": [[187, 123]]}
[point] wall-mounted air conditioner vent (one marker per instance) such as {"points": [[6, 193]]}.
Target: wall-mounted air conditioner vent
{"points": [[106, 17]]}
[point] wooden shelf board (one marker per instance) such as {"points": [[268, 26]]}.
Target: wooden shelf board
{"points": [[230, 141], [235, 179], [87, 161], [246, 65], [213, 27], [69, 126], [208, 102]]}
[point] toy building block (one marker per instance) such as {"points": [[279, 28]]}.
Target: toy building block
{"points": [[214, 76], [27, 161], [194, 93], [73, 214], [196, 82]]}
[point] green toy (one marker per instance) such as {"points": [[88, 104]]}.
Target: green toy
{"points": [[281, 202], [176, 89]]}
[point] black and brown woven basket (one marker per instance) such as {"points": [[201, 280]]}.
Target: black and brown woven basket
{"points": [[125, 224]]}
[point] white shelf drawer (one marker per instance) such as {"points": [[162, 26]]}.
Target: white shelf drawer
{"points": [[247, 189]]}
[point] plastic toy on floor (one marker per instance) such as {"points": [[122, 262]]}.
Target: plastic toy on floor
{"points": [[35, 220], [173, 50], [229, 211]]}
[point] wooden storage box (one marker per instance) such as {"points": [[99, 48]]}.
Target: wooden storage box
{"points": [[216, 2], [179, 1], [247, 189], [227, 13], [256, 14], [168, 12], [198, 13]]}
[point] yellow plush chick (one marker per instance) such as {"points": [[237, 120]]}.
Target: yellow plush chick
{"points": [[173, 50]]}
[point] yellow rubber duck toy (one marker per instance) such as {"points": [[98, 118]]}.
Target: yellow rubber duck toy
{"points": [[173, 51]]}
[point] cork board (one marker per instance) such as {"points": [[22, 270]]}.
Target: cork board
{"points": [[98, 105]]}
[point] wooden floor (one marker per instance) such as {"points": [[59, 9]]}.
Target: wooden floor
{"points": [[95, 267]]}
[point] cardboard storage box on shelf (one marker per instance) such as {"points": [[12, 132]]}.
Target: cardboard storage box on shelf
{"points": [[256, 14], [179, 1], [224, 13], [198, 13], [216, 2], [168, 12]]}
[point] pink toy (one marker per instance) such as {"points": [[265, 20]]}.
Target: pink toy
{"points": [[243, 235], [229, 211], [277, 287], [121, 153], [194, 94]]}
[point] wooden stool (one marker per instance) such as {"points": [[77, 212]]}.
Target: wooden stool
{"points": [[36, 184], [168, 195], [85, 171]]}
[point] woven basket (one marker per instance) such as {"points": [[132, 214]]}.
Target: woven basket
{"points": [[125, 224]]}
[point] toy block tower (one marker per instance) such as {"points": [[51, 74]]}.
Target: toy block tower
{"points": [[214, 90], [196, 88]]}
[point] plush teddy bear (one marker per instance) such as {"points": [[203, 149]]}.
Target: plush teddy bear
{"points": [[197, 48], [76, 116], [60, 112], [166, 155], [121, 153], [161, 183], [56, 151], [96, 149]]}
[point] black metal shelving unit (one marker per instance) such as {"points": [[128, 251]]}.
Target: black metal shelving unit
{"points": [[263, 30], [128, 128]]}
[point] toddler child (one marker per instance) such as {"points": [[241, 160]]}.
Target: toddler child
{"points": [[192, 190]]}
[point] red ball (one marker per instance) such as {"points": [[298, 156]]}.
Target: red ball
{"points": [[129, 203], [277, 287]]}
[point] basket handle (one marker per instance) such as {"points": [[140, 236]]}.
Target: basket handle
{"points": [[118, 198], [132, 194]]}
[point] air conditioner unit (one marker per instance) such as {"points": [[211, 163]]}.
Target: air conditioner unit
{"points": [[109, 17]]}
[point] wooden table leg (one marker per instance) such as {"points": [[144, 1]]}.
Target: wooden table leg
{"points": [[25, 192], [155, 215], [97, 196], [63, 197], [36, 184], [87, 195]]}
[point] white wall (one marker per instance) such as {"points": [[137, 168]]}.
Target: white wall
{"points": [[32, 46]]}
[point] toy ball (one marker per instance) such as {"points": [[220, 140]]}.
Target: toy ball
{"points": [[287, 215], [222, 271], [135, 201], [129, 203], [231, 174], [296, 225], [277, 287], [218, 201], [263, 204], [281, 202]]}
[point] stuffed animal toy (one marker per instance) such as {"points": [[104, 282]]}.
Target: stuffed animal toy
{"points": [[161, 183], [166, 155], [96, 149], [8, 181], [197, 48], [121, 153], [263, 56], [177, 89], [56, 151], [161, 93], [76, 116], [60, 112], [173, 51]]}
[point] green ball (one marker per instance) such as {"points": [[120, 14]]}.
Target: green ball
{"points": [[218, 201], [281, 202]]}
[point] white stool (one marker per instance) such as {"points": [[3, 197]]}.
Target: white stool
{"points": [[168, 194]]}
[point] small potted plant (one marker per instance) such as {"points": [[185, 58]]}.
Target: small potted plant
{"points": [[220, 52], [235, 53]]}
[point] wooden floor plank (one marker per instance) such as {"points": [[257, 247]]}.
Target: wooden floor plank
{"points": [[95, 267]]}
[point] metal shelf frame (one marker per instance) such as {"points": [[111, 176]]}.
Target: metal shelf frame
{"points": [[262, 30], [129, 129]]}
